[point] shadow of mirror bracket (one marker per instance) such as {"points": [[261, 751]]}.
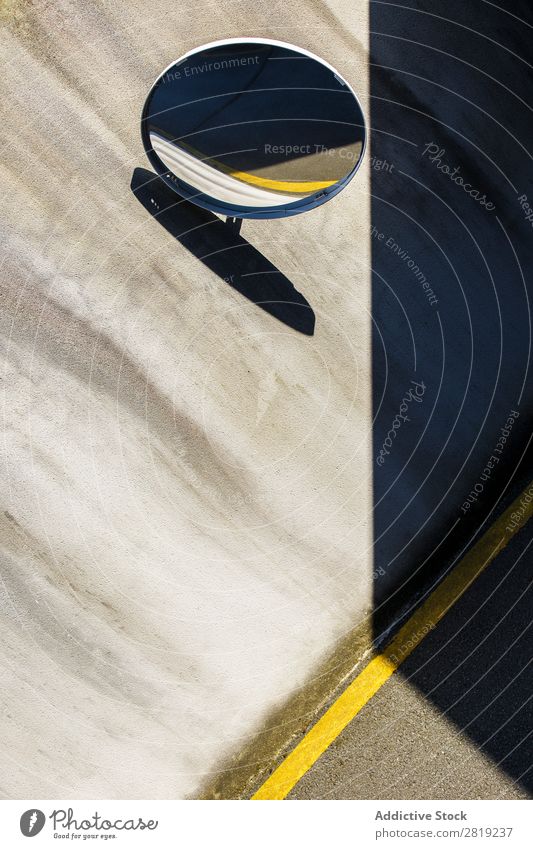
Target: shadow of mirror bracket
{"points": [[220, 247]]}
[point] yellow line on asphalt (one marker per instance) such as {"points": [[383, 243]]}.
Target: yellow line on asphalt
{"points": [[410, 635]]}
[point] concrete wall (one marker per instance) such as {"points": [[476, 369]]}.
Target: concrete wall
{"points": [[186, 482]]}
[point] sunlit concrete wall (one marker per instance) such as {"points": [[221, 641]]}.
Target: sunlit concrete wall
{"points": [[186, 482]]}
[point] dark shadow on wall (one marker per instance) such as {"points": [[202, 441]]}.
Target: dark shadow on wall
{"points": [[224, 252], [451, 299]]}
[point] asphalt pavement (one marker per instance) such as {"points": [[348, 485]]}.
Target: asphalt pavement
{"points": [[456, 721]]}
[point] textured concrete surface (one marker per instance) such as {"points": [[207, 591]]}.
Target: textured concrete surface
{"points": [[452, 273], [186, 483], [455, 722], [190, 489]]}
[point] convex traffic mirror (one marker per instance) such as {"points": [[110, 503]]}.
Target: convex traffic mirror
{"points": [[253, 129]]}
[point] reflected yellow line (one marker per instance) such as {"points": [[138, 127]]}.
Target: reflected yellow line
{"points": [[410, 635], [293, 186], [277, 185]]}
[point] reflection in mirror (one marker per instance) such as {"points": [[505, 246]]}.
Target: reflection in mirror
{"points": [[253, 129]]}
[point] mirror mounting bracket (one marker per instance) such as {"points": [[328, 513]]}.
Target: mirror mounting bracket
{"points": [[234, 224]]}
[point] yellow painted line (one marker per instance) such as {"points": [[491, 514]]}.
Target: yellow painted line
{"points": [[410, 635]]}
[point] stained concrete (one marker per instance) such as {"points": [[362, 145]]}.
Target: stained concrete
{"points": [[191, 487]]}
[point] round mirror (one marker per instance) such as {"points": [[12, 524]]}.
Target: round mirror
{"points": [[253, 128]]}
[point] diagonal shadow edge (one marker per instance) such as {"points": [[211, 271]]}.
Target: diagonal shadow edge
{"points": [[224, 252]]}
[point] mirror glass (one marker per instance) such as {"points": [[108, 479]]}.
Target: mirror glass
{"points": [[253, 129]]}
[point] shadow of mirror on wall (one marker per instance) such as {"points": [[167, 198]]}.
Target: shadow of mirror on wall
{"points": [[224, 251]]}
